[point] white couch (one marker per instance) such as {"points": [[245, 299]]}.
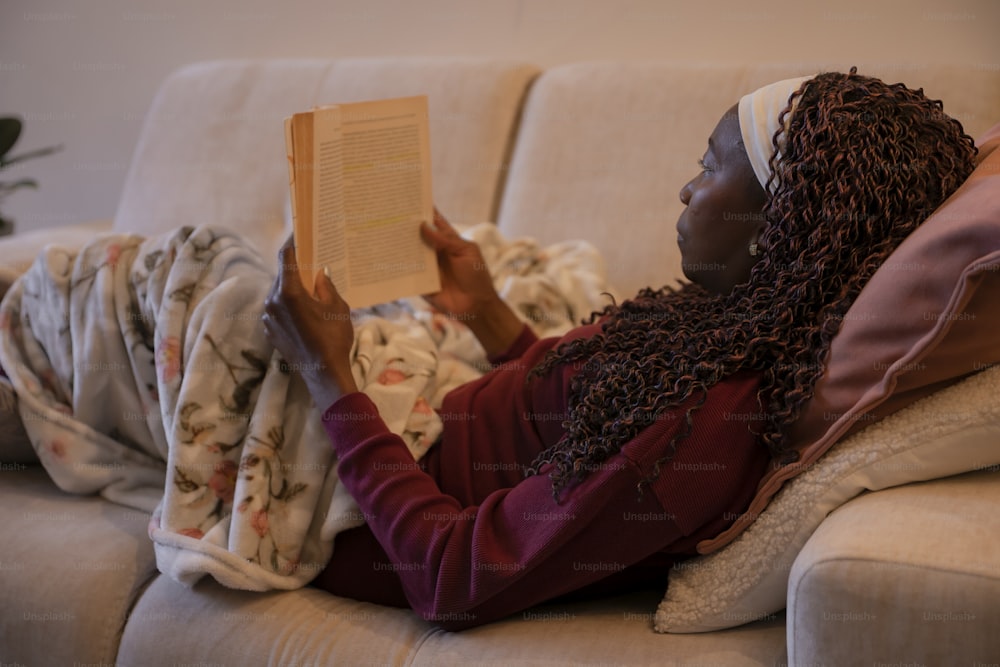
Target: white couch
{"points": [[592, 150]]}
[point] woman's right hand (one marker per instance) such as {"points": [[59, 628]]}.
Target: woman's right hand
{"points": [[467, 293], [466, 286]]}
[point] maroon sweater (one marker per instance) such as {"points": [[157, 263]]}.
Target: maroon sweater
{"points": [[464, 538]]}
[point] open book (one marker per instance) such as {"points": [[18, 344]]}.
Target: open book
{"points": [[360, 179]]}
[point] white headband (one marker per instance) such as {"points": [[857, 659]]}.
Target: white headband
{"points": [[759, 121]]}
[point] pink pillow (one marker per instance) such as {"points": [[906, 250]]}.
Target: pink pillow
{"points": [[928, 317]]}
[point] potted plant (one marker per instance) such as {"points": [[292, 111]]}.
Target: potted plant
{"points": [[10, 131]]}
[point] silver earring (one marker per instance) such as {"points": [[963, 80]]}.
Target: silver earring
{"points": [[753, 249]]}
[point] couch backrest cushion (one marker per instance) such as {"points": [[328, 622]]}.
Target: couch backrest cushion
{"points": [[604, 148], [212, 147]]}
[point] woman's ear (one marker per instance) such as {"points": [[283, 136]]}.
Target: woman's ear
{"points": [[754, 247]]}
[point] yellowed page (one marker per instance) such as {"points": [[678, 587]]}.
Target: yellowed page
{"points": [[298, 146], [386, 195], [316, 182], [361, 185], [329, 240]]}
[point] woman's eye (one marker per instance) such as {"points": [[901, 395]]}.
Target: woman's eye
{"points": [[703, 166]]}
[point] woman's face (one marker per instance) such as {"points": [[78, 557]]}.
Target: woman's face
{"points": [[724, 212]]}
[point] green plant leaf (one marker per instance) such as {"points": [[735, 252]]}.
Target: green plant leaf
{"points": [[5, 162], [10, 130], [6, 188]]}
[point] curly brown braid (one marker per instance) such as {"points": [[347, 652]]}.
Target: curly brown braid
{"points": [[863, 163]]}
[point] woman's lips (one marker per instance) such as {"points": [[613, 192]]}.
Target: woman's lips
{"points": [[680, 233]]}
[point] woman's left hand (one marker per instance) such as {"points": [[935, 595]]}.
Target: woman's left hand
{"points": [[313, 334]]}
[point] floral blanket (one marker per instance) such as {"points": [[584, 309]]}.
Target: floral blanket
{"points": [[144, 374]]}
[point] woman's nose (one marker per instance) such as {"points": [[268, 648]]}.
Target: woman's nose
{"points": [[686, 193]]}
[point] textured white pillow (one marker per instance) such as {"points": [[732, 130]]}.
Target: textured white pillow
{"points": [[952, 431]]}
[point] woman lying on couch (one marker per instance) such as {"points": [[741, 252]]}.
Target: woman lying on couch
{"points": [[592, 462]]}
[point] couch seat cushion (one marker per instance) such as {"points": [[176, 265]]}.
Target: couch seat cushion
{"points": [[70, 570], [909, 575], [209, 624], [610, 631]]}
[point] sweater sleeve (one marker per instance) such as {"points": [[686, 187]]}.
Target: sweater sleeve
{"points": [[525, 340], [464, 566]]}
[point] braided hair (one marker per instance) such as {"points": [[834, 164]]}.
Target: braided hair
{"points": [[862, 164]]}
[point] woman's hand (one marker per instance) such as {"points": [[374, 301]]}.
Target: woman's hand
{"points": [[314, 335], [466, 285], [467, 293]]}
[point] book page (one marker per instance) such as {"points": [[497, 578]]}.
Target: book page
{"points": [[328, 237], [316, 180], [361, 186], [386, 195]]}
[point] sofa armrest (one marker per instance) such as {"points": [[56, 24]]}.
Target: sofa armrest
{"points": [[906, 575], [17, 252]]}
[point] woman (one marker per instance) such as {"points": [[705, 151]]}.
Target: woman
{"points": [[594, 461]]}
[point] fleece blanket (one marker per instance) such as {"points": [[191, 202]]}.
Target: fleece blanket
{"points": [[144, 375]]}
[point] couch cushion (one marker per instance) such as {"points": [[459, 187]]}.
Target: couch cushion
{"points": [[910, 574], [604, 149], [17, 252], [70, 570], [612, 631], [210, 624], [212, 147]]}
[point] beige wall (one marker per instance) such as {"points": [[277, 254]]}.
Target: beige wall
{"points": [[83, 72]]}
